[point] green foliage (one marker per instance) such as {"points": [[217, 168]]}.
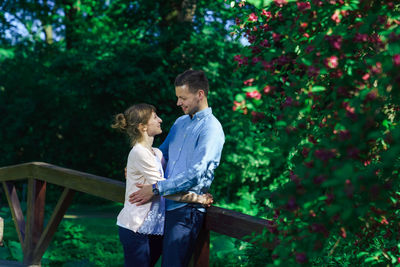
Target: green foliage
{"points": [[60, 98], [322, 90]]}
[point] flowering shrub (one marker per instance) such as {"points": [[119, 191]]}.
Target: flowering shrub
{"points": [[323, 88]]}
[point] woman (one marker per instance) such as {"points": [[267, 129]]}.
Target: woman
{"points": [[141, 227]]}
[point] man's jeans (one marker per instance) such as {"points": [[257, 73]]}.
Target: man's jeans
{"points": [[182, 226]]}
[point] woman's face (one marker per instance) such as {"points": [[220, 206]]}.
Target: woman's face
{"points": [[154, 125]]}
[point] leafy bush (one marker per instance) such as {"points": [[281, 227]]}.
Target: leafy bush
{"points": [[322, 90]]}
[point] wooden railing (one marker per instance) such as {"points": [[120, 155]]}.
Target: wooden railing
{"points": [[35, 238]]}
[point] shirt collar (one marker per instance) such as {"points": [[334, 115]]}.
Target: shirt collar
{"points": [[201, 114]]}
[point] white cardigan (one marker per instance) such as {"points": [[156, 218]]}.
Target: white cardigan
{"points": [[143, 168]]}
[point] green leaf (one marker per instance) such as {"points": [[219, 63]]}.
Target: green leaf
{"points": [[281, 123], [250, 89], [260, 3], [317, 88], [306, 61], [240, 97]]}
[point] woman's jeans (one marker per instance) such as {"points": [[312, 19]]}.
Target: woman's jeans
{"points": [[140, 250]]}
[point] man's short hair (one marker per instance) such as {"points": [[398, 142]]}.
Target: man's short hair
{"points": [[195, 80]]}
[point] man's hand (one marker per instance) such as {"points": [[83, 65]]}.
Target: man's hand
{"points": [[143, 195]]}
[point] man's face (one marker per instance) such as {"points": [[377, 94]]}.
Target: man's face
{"points": [[189, 102]]}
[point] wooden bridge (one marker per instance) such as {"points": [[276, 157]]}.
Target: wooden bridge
{"points": [[35, 237]]}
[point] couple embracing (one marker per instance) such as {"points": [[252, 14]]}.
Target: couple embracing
{"points": [[166, 188]]}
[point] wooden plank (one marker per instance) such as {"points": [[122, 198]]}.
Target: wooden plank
{"points": [[201, 257], [30, 211], [40, 201], [58, 213], [4, 263], [16, 172], [234, 224], [1, 231], [16, 212], [34, 217], [79, 181]]}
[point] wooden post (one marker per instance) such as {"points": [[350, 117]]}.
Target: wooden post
{"points": [[201, 257], [51, 227], [16, 212], [34, 218], [1, 231]]}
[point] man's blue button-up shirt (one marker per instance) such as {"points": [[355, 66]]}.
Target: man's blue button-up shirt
{"points": [[193, 150]]}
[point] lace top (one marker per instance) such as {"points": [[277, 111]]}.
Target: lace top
{"points": [[154, 221], [143, 167]]}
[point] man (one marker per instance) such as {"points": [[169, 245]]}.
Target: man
{"points": [[193, 150]]}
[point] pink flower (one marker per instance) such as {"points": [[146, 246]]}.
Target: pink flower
{"points": [[336, 16], [396, 60], [303, 25], [377, 69], [241, 60], [255, 95], [252, 17], [280, 3], [251, 38], [237, 105], [240, 105], [268, 14], [350, 111], [276, 36], [249, 82], [335, 41], [268, 89], [303, 6], [265, 27], [265, 43], [332, 62], [269, 66], [365, 76], [360, 38], [255, 60]]}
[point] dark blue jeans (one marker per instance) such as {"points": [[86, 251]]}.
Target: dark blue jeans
{"points": [[140, 250], [182, 226]]}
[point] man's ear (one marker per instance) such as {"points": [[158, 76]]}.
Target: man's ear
{"points": [[201, 94]]}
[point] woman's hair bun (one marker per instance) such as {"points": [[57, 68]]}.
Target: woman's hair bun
{"points": [[119, 122]]}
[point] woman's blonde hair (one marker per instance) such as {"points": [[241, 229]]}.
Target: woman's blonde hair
{"points": [[130, 120]]}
